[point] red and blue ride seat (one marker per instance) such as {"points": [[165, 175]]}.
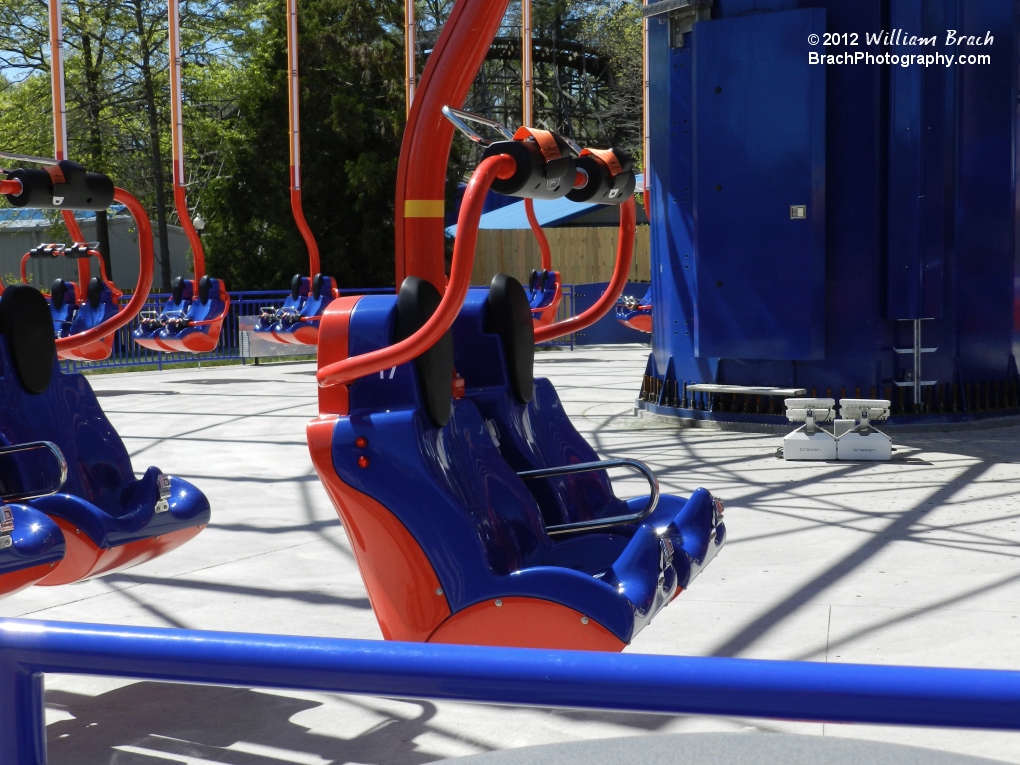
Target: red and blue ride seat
{"points": [[110, 520], [299, 287], [98, 306], [495, 353], [302, 327], [198, 329], [31, 546], [63, 306], [634, 313], [451, 543], [544, 295], [146, 334]]}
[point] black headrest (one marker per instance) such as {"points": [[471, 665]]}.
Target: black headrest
{"points": [[295, 286], [57, 293], [204, 284], [95, 292], [537, 280], [177, 289], [27, 326], [416, 302], [509, 316], [316, 286]]}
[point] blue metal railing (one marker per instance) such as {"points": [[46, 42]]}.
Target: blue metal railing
{"points": [[846, 693], [127, 353]]}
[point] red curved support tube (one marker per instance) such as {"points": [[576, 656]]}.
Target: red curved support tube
{"points": [[624, 257], [352, 368], [536, 229], [177, 139], [146, 257], [56, 30], [12, 186], [24, 269], [294, 103], [421, 175]]}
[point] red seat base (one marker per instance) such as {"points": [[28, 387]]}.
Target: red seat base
{"points": [[84, 560]]}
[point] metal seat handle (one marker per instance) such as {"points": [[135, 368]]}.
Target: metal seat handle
{"points": [[588, 467], [37, 446]]}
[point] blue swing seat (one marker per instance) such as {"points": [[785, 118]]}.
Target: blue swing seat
{"points": [[63, 306], [291, 307], [301, 327], [495, 353], [451, 543], [110, 519], [198, 330], [146, 334]]}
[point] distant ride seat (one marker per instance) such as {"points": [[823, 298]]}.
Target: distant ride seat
{"points": [[451, 543], [146, 334], [544, 296], [291, 307], [63, 306], [634, 313], [110, 520], [99, 306], [198, 330], [495, 354], [302, 327]]}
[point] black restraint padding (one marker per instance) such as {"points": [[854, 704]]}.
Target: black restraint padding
{"points": [[27, 327], [317, 286], [95, 292], [416, 302], [204, 285], [177, 288], [295, 286], [57, 293], [509, 316]]}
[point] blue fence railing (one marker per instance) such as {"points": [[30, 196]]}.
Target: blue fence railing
{"points": [[809, 691], [127, 353]]}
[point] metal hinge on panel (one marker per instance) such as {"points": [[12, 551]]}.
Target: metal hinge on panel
{"points": [[682, 16]]}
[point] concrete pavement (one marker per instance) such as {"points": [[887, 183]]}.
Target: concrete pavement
{"points": [[910, 562]]}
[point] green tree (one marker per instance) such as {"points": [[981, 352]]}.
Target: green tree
{"points": [[352, 114]]}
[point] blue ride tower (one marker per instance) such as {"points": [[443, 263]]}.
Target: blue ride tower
{"points": [[828, 217]]}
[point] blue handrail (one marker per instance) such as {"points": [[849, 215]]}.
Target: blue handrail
{"points": [[848, 693]]}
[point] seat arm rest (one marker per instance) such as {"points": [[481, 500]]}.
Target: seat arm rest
{"points": [[587, 467]]}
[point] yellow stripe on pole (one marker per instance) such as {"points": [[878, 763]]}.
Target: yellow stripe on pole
{"points": [[424, 208]]}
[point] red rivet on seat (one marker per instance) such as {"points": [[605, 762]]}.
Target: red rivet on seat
{"points": [[363, 461], [361, 442]]}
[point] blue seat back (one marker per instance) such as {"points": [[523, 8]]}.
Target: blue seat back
{"points": [[57, 407], [209, 303], [299, 287], [97, 308], [320, 296], [496, 358], [63, 305], [542, 288], [181, 295]]}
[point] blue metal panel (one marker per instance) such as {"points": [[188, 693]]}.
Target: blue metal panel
{"points": [[986, 219], [759, 150], [916, 175], [672, 200]]}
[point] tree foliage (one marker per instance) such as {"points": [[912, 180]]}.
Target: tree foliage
{"points": [[235, 112], [352, 114]]}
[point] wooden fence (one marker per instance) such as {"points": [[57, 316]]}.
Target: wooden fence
{"points": [[582, 255]]}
